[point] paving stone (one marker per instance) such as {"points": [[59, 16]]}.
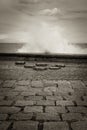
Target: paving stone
{"points": [[9, 110], [44, 93], [37, 84], [29, 93], [17, 98], [85, 92], [2, 90], [63, 91], [50, 89], [33, 109], [4, 125], [79, 92], [85, 82], [25, 125], [54, 98], [20, 62], [3, 93], [47, 117], [36, 90], [32, 92], [24, 103], [71, 97], [56, 126], [23, 82], [64, 87], [9, 83], [85, 98], [49, 83], [64, 103], [21, 116], [60, 65], [78, 109], [2, 98], [54, 67], [11, 95], [1, 81], [3, 117], [81, 103], [6, 103], [55, 109], [34, 98], [77, 84], [72, 117], [80, 125], [40, 68], [21, 88], [82, 90], [85, 117], [45, 103], [64, 84], [41, 64], [29, 65]]}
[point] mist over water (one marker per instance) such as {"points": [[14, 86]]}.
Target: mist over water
{"points": [[68, 49], [44, 37], [44, 26]]}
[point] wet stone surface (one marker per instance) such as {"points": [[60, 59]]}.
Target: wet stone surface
{"points": [[43, 95]]}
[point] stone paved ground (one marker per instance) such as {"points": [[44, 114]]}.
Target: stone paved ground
{"points": [[43, 95]]}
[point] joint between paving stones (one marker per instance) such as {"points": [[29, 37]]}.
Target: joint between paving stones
{"points": [[55, 103], [44, 97], [69, 124], [10, 126], [34, 117], [8, 117], [75, 104], [82, 98], [22, 108], [60, 115], [13, 103], [40, 125], [66, 109], [44, 107]]}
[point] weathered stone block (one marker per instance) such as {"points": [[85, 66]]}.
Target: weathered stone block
{"points": [[80, 125], [25, 125], [47, 117], [21, 116], [33, 109], [37, 84], [4, 125], [56, 126], [23, 82], [55, 109], [45, 103], [72, 117], [9, 110], [64, 103], [3, 117], [78, 109], [24, 103]]}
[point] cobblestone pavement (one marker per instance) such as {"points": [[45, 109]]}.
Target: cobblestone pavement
{"points": [[43, 96]]}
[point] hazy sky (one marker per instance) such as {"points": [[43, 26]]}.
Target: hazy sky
{"points": [[45, 25]]}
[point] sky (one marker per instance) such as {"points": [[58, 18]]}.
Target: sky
{"points": [[44, 25]]}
